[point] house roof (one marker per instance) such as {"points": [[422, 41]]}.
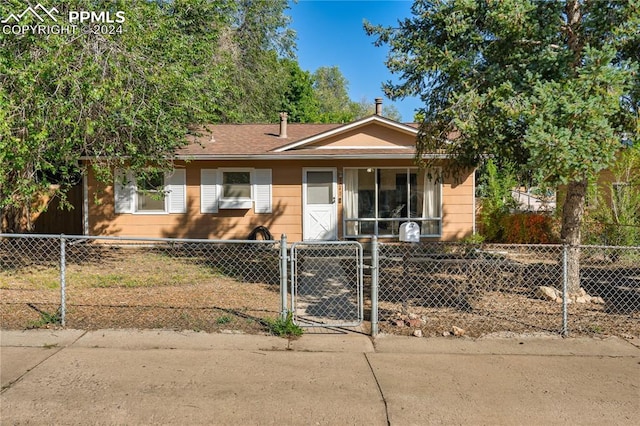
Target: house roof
{"points": [[247, 139], [262, 141]]}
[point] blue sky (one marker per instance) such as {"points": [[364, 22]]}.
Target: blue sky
{"points": [[330, 33]]}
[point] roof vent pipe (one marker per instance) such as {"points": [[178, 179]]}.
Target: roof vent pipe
{"points": [[283, 125], [378, 106]]}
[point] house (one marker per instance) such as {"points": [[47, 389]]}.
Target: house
{"points": [[308, 181]]}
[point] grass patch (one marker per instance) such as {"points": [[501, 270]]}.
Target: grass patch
{"points": [[140, 270], [46, 318], [131, 270], [40, 278], [595, 328], [224, 319], [284, 328]]}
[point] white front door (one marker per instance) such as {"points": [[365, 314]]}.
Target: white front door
{"points": [[319, 200]]}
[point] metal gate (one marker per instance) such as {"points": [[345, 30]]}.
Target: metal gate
{"points": [[326, 280]]}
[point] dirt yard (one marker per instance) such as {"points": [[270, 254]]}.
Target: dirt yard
{"points": [[141, 290], [148, 290]]}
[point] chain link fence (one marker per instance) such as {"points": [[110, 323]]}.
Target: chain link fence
{"points": [[436, 288], [138, 283], [327, 284], [478, 290], [610, 279]]}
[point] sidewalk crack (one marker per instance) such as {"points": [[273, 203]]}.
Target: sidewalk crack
{"points": [[384, 400], [58, 349]]}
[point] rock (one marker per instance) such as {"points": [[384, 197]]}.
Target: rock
{"points": [[415, 322], [446, 334], [597, 300], [417, 333], [548, 293], [583, 299], [457, 331], [398, 323], [558, 300]]}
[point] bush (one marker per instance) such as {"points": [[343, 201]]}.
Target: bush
{"points": [[284, 327], [529, 228], [494, 189], [614, 217]]}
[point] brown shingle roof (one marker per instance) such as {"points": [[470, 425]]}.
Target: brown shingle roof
{"points": [[261, 140], [247, 139]]}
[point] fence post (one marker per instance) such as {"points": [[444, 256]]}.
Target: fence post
{"points": [[565, 295], [283, 277], [374, 286], [63, 280]]}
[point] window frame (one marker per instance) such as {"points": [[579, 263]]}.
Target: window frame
{"points": [[164, 191], [376, 220], [236, 202], [126, 189]]}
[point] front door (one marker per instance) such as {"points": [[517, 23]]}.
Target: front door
{"points": [[319, 201]]}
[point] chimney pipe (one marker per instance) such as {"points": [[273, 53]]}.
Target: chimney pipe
{"points": [[283, 125], [378, 106]]}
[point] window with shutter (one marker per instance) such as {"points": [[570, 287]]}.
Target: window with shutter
{"points": [[154, 193], [262, 191], [124, 188], [235, 189], [176, 188], [209, 191]]}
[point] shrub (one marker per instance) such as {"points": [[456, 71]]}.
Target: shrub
{"points": [[495, 185], [529, 228], [284, 327]]}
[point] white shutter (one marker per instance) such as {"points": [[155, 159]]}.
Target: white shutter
{"points": [[209, 192], [176, 187], [123, 188], [262, 191]]}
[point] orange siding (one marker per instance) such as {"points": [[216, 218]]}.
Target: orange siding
{"points": [[458, 212], [371, 137]]}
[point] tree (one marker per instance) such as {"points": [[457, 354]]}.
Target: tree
{"points": [[131, 96], [251, 48], [551, 86], [299, 99], [118, 97], [331, 91]]}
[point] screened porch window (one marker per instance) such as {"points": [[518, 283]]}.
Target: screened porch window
{"points": [[378, 200]]}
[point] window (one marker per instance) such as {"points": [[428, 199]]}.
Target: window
{"points": [[150, 194], [153, 193], [235, 189], [378, 200], [236, 185], [319, 187]]}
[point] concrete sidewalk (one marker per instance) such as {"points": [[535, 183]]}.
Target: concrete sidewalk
{"points": [[163, 377]]}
